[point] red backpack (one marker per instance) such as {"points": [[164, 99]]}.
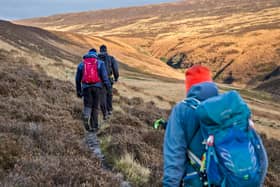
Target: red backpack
{"points": [[90, 74]]}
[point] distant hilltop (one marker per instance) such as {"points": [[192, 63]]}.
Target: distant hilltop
{"points": [[237, 39]]}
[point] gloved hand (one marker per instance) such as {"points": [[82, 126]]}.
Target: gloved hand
{"points": [[160, 123], [79, 95]]}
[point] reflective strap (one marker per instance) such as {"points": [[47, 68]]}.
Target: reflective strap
{"points": [[191, 175], [194, 158]]}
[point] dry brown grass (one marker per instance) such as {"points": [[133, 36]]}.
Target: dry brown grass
{"points": [[247, 34], [131, 133], [40, 131], [126, 54], [207, 32], [46, 138]]}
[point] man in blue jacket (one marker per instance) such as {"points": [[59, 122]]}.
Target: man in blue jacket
{"points": [[183, 131], [89, 86]]}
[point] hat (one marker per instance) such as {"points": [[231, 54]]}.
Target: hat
{"points": [[92, 50], [103, 49], [197, 74]]}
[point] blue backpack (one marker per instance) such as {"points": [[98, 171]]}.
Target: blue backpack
{"points": [[234, 153]]}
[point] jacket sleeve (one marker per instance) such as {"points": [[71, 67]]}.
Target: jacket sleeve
{"points": [[104, 76], [79, 75], [115, 68], [175, 148]]}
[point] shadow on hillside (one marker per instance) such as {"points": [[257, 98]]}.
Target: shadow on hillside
{"points": [[36, 40]]}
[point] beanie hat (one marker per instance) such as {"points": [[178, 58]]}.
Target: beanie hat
{"points": [[92, 50], [197, 74], [103, 49]]}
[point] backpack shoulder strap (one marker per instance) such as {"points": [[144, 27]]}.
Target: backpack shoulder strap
{"points": [[194, 104], [111, 60], [98, 64]]}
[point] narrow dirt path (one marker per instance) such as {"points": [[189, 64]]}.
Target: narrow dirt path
{"points": [[93, 144]]}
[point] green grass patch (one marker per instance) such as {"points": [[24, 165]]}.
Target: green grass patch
{"points": [[133, 171], [105, 143]]}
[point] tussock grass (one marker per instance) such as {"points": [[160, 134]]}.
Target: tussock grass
{"points": [[105, 144], [129, 144], [135, 172]]}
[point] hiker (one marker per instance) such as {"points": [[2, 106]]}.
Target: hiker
{"points": [[113, 74], [181, 125], [91, 76], [192, 140]]}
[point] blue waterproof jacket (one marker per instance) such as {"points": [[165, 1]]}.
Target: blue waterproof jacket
{"points": [[101, 71], [180, 135]]}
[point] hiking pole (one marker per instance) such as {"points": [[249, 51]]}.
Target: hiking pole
{"points": [[195, 160]]}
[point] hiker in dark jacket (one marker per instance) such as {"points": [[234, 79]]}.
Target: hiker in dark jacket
{"points": [[180, 133], [113, 74], [91, 91]]}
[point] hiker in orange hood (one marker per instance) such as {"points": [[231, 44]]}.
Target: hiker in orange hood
{"points": [[181, 126], [196, 75]]}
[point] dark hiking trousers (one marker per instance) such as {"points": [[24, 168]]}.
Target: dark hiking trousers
{"points": [[103, 101], [109, 100], [109, 96], [106, 99], [91, 105]]}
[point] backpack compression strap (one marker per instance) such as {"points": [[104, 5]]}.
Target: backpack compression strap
{"points": [[192, 102]]}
